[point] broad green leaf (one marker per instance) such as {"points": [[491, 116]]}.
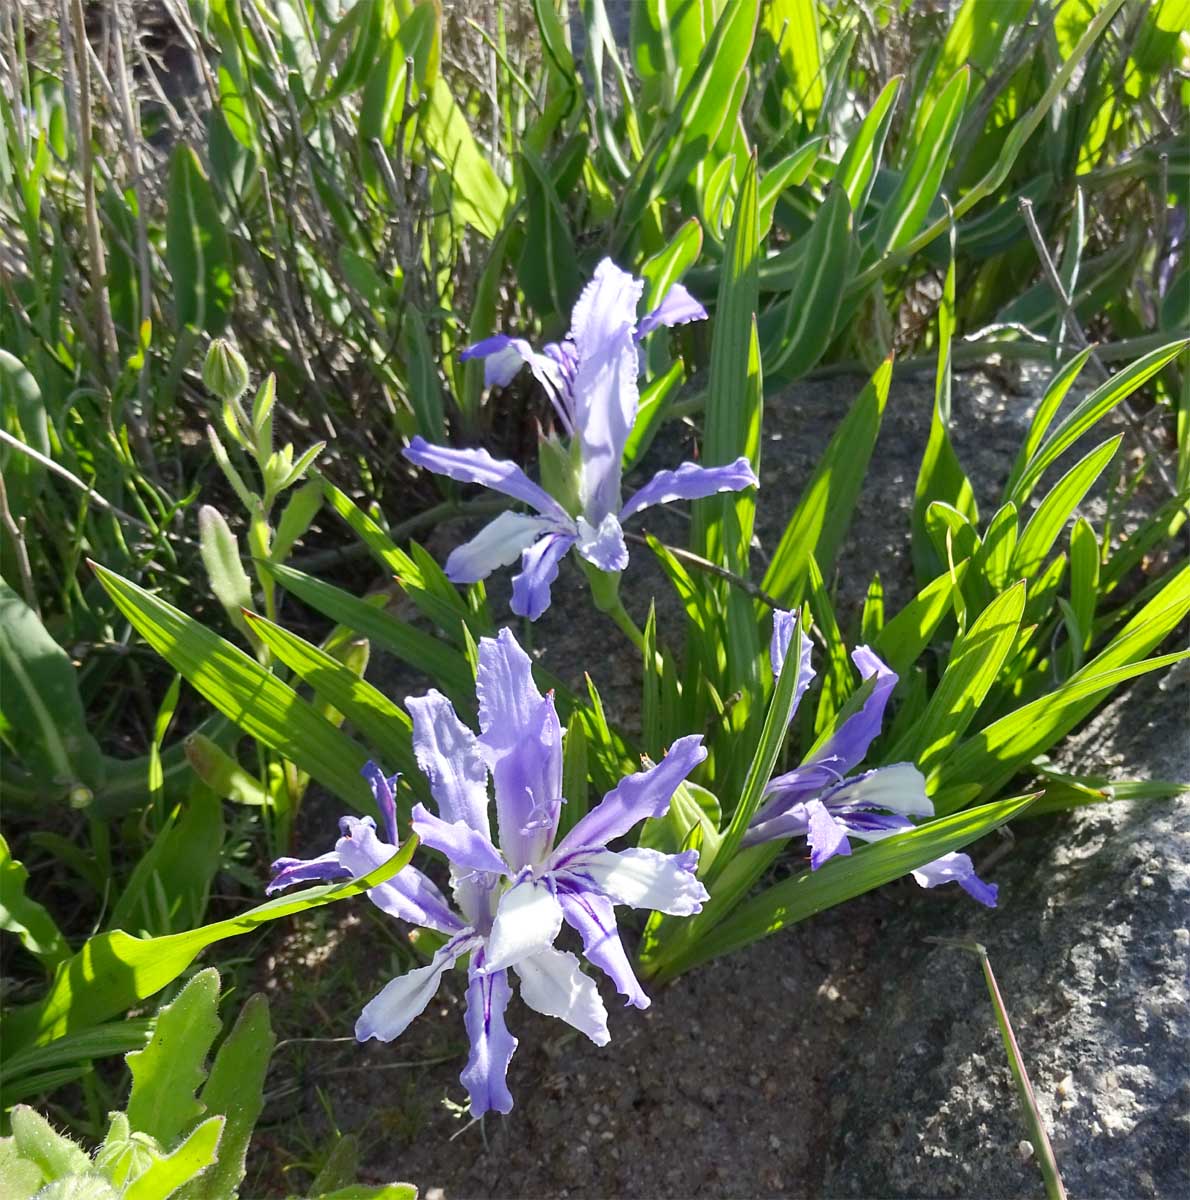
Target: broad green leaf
{"points": [[823, 513], [1051, 515], [425, 389], [197, 249], [799, 337], [861, 160], [113, 971], [385, 725], [244, 691], [168, 1072], [477, 194], [941, 476], [993, 561], [791, 171], [810, 892], [904, 638], [235, 1091], [732, 424], [429, 654], [1084, 580], [575, 787], [24, 916], [1090, 412], [708, 103], [164, 1176], [974, 666], [800, 50], [922, 177], [22, 414], [41, 712], [548, 269]]}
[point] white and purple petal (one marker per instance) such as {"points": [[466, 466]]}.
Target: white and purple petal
{"points": [[594, 918], [635, 797], [957, 868], [522, 745], [478, 466], [465, 847], [486, 1074], [449, 756], [898, 788], [528, 919], [539, 568], [498, 544], [553, 983], [603, 547], [690, 482], [677, 307], [391, 1011], [642, 878]]}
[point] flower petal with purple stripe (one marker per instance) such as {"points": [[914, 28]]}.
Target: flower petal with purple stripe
{"points": [[635, 797], [643, 878], [594, 918], [486, 1074], [690, 482], [539, 568], [324, 869], [464, 846], [957, 868], [478, 466], [825, 835], [383, 791]]}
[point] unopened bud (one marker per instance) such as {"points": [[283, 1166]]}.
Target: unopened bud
{"points": [[225, 372]]}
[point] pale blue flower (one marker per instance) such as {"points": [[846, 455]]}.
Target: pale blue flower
{"points": [[821, 802], [591, 379], [512, 893]]}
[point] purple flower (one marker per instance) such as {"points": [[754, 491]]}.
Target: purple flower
{"points": [[821, 802], [591, 381], [512, 893]]}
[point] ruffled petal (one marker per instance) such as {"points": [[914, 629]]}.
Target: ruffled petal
{"points": [[690, 482], [594, 918], [825, 835], [644, 879], [522, 745], [486, 1074], [498, 544], [635, 797], [553, 983], [467, 848], [899, 788], [528, 920], [604, 547], [478, 466], [448, 754], [539, 569], [605, 388], [389, 1013], [503, 358], [408, 895], [677, 307], [957, 868]]}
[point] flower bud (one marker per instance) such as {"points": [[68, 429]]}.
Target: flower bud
{"points": [[225, 372]]}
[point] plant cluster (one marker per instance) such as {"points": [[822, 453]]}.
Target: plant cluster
{"points": [[355, 201]]}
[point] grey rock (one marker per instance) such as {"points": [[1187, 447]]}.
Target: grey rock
{"points": [[1090, 949]]}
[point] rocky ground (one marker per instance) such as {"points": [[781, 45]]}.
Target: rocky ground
{"points": [[847, 1057]]}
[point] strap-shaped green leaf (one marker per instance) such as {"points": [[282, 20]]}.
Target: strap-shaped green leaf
{"points": [[974, 665], [113, 971], [197, 248], [244, 691], [823, 513]]}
